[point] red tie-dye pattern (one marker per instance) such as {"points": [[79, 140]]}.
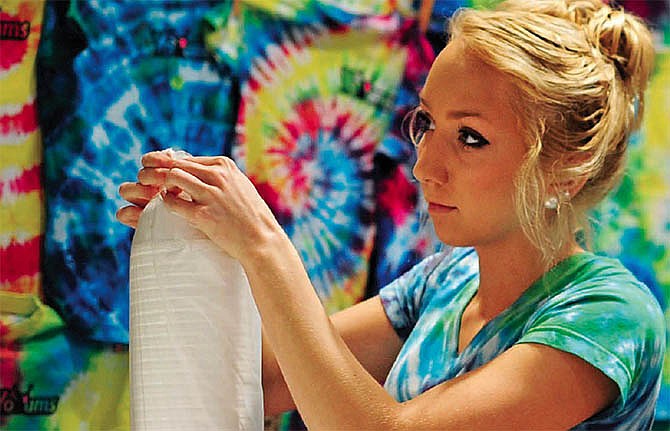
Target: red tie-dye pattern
{"points": [[19, 259], [397, 197], [27, 181], [9, 363], [23, 122]]}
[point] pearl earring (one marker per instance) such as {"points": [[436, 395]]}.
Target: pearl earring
{"points": [[554, 203], [551, 203]]}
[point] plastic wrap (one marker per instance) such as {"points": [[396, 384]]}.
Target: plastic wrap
{"points": [[195, 331]]}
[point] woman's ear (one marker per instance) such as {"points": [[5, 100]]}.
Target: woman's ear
{"points": [[571, 181], [561, 193], [570, 187]]}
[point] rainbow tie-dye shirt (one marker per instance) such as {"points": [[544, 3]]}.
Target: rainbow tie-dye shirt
{"points": [[51, 379], [587, 305], [21, 203], [319, 87]]}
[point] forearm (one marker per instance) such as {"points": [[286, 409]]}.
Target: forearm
{"points": [[329, 386], [276, 396]]}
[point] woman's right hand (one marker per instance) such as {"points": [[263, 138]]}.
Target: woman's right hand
{"points": [[150, 179]]}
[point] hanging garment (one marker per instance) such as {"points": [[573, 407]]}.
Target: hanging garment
{"points": [[52, 380], [117, 79], [318, 92], [195, 331], [21, 203]]}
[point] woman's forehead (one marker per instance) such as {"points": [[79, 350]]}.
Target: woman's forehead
{"points": [[461, 80]]}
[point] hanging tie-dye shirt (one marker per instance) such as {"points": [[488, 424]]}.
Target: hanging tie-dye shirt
{"points": [[318, 91], [50, 379], [116, 79], [574, 308], [21, 203]]}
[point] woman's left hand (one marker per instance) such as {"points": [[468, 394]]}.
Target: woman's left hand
{"points": [[224, 204]]}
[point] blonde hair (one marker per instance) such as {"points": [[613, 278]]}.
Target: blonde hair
{"points": [[580, 69]]}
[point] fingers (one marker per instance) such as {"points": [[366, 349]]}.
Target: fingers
{"points": [[137, 194], [198, 177], [210, 160], [179, 206], [213, 174], [129, 215], [158, 159], [198, 190], [152, 176]]}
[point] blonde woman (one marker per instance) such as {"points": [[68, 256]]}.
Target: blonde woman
{"points": [[522, 127]]}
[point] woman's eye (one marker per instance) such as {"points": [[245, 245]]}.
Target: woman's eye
{"points": [[471, 138], [419, 123]]}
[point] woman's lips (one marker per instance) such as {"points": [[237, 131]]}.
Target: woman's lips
{"points": [[438, 208]]}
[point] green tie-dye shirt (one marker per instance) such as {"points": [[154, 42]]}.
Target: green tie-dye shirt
{"points": [[587, 305]]}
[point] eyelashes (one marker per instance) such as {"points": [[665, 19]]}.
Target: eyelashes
{"points": [[415, 125], [418, 122], [471, 138]]}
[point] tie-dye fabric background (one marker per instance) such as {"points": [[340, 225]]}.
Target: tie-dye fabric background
{"points": [[633, 225], [137, 78], [118, 78], [20, 143], [317, 92]]}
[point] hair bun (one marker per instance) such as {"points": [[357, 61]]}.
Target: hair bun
{"points": [[624, 40], [582, 12]]}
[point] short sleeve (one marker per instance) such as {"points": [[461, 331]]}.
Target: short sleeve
{"points": [[613, 325]]}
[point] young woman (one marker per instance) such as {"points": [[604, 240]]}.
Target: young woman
{"points": [[522, 128]]}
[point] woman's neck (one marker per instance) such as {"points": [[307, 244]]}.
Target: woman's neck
{"points": [[507, 270]]}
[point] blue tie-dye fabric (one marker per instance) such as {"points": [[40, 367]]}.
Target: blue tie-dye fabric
{"points": [[116, 79], [587, 305]]}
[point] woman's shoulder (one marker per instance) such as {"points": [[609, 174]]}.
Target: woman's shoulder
{"points": [[590, 281], [605, 277], [595, 308]]}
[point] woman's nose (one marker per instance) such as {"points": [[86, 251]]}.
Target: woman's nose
{"points": [[430, 166]]}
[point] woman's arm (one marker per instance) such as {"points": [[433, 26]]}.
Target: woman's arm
{"points": [[329, 386], [528, 387], [365, 330], [364, 327]]}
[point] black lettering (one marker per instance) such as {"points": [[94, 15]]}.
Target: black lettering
{"points": [[10, 401], [41, 406], [14, 30], [25, 29], [15, 402]]}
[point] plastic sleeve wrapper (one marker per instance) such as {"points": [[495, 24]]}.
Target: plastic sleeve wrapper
{"points": [[195, 342]]}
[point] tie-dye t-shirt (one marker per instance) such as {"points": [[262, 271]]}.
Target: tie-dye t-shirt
{"points": [[21, 203], [52, 380], [116, 79], [318, 91], [573, 307]]}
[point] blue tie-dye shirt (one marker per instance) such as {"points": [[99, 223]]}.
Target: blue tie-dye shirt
{"points": [[587, 305]]}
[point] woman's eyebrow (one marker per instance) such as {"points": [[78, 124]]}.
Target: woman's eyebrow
{"points": [[463, 114], [455, 114]]}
